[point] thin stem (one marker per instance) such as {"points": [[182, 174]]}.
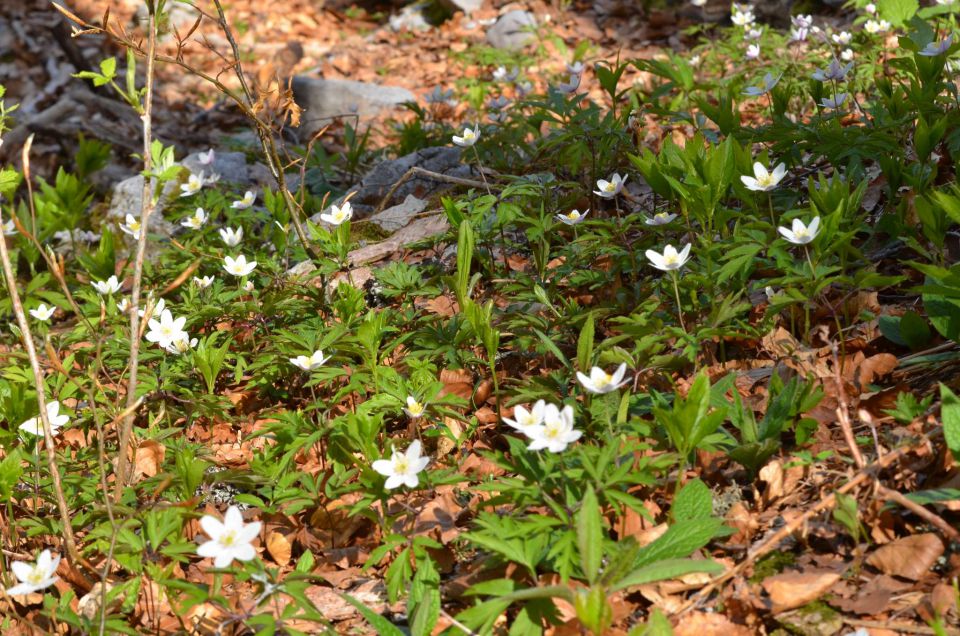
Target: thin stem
{"points": [[486, 184], [773, 220], [146, 209], [26, 337], [676, 291]]}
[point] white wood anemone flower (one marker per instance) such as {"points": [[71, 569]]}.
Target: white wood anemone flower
{"points": [[131, 226], [660, 218], [195, 221], [206, 158], [609, 189], [157, 309], [230, 539], [671, 260], [338, 215], [762, 179], [9, 227], [402, 468], [181, 346], [414, 408], [203, 282], [105, 287], [231, 237], [832, 103], [34, 426], [193, 185], [599, 381], [249, 198], [34, 577], [524, 420], [799, 233], [753, 52], [310, 362], [42, 312], [468, 138], [167, 329], [238, 266], [556, 432], [573, 217]]}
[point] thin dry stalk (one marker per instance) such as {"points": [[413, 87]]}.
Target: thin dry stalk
{"points": [[73, 554], [146, 208]]}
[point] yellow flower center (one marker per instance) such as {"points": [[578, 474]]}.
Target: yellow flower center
{"points": [[415, 408], [610, 187], [552, 430], [766, 180], [670, 259], [228, 538], [573, 216], [36, 576], [401, 466], [660, 216], [134, 225], [801, 234]]}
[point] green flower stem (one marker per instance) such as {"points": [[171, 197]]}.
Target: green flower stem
{"points": [[676, 291]]}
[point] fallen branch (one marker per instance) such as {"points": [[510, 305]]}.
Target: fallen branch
{"points": [[437, 176]]}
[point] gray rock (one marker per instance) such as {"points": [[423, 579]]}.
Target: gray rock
{"points": [[231, 166], [126, 199], [512, 31], [378, 181], [326, 99], [411, 18], [398, 216], [467, 6]]}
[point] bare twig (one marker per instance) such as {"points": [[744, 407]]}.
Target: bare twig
{"points": [[417, 170], [146, 208], [898, 627], [26, 337]]}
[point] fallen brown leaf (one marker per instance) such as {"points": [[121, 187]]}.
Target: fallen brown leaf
{"points": [[910, 557], [795, 589]]}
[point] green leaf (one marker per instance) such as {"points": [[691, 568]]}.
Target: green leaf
{"points": [[668, 569], [936, 495], [11, 470], [378, 622], [914, 330], [585, 345], [681, 540], [950, 415], [897, 12], [694, 501], [590, 535]]}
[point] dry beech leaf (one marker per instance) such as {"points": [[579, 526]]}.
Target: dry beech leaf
{"points": [[795, 589], [278, 545], [709, 624], [875, 367], [772, 474], [909, 557], [149, 457]]}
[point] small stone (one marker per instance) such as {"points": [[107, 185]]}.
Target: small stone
{"points": [[512, 31], [398, 216], [466, 6]]}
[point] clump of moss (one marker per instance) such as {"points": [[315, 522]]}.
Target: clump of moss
{"points": [[773, 563]]}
